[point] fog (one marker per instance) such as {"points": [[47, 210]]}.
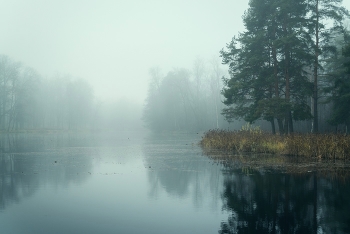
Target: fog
{"points": [[113, 44]]}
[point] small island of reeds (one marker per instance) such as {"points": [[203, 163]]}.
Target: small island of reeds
{"points": [[253, 140]]}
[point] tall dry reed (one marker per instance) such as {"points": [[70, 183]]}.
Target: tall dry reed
{"points": [[322, 146]]}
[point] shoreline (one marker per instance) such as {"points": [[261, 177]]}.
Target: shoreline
{"points": [[272, 163], [310, 146]]}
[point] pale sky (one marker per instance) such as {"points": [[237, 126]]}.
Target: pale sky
{"points": [[113, 43]]}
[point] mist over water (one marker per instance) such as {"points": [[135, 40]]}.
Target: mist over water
{"points": [[88, 183], [103, 103], [137, 182]]}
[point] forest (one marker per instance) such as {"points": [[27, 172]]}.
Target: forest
{"points": [[288, 71], [29, 101], [186, 100], [292, 58]]}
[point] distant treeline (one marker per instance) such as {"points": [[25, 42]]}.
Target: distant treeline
{"points": [[292, 60], [184, 100], [30, 101]]}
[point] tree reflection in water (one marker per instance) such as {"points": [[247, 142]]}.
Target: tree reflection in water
{"points": [[179, 169], [273, 202], [26, 164]]}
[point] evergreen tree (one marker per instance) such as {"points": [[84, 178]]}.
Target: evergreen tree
{"points": [[340, 89], [321, 13], [267, 62]]}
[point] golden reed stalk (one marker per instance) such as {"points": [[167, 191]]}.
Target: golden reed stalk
{"points": [[322, 146]]}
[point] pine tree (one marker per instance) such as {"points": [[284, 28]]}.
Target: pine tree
{"points": [[267, 61], [321, 12], [340, 87]]}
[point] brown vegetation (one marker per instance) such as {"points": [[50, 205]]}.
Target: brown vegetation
{"points": [[253, 140]]}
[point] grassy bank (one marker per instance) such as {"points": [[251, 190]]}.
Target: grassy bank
{"points": [[253, 140]]}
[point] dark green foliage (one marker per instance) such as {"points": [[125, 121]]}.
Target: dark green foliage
{"points": [[322, 12], [346, 54], [340, 91], [274, 64], [267, 65]]}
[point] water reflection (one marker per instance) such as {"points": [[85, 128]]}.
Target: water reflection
{"points": [[177, 167], [64, 183], [261, 202], [29, 162], [76, 183]]}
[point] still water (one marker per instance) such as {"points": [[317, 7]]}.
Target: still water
{"points": [[144, 183]]}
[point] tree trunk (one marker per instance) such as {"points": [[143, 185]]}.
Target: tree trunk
{"points": [[286, 123], [274, 54], [273, 126], [315, 91], [287, 77], [280, 126], [291, 127]]}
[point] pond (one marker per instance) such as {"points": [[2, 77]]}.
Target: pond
{"points": [[144, 183]]}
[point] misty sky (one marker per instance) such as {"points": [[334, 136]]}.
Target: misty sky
{"points": [[113, 43]]}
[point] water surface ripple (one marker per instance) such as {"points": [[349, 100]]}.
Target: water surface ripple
{"points": [[133, 182]]}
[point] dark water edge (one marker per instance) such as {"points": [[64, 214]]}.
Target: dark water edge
{"points": [[150, 183], [280, 194], [269, 202], [282, 163]]}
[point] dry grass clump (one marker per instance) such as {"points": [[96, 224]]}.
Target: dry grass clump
{"points": [[322, 146]]}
